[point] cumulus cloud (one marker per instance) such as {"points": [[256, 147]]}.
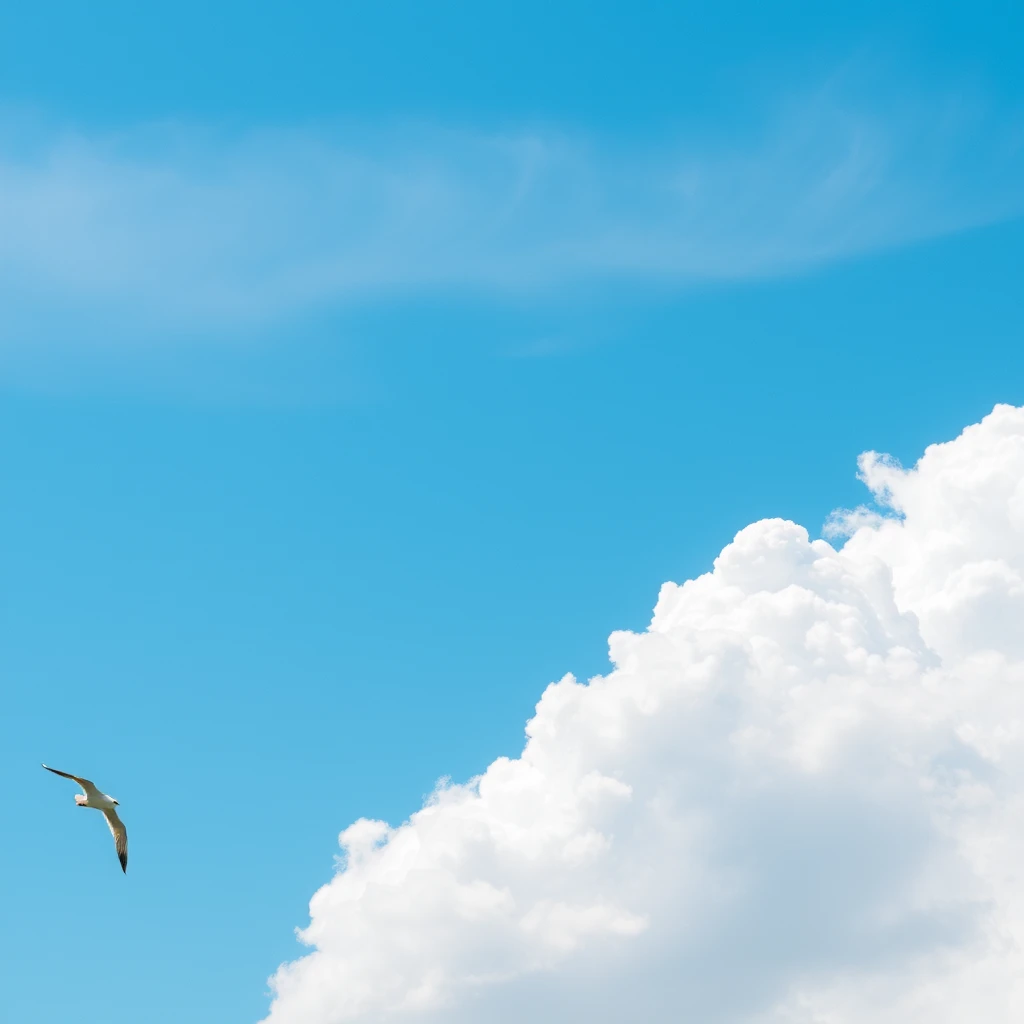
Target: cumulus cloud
{"points": [[796, 798], [170, 229]]}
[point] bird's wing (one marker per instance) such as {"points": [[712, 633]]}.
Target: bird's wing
{"points": [[88, 788], [120, 834]]}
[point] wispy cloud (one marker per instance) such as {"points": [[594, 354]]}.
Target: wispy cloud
{"points": [[170, 229]]}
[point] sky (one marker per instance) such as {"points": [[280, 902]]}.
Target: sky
{"points": [[365, 367]]}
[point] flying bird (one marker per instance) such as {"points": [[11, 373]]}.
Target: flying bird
{"points": [[101, 802]]}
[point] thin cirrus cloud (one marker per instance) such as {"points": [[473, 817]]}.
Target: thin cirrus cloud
{"points": [[167, 229], [795, 798]]}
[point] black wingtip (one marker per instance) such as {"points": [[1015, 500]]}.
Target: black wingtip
{"points": [[124, 864]]}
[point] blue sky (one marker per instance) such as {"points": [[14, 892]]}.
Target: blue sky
{"points": [[363, 366]]}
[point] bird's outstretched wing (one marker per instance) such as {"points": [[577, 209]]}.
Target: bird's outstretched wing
{"points": [[120, 834], [87, 787]]}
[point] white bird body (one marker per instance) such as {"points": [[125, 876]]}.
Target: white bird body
{"points": [[98, 801]]}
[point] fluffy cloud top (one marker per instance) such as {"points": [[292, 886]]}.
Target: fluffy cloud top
{"points": [[796, 798]]}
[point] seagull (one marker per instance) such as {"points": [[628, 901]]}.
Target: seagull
{"points": [[101, 802]]}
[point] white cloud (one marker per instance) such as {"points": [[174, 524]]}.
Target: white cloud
{"points": [[168, 230], [797, 798]]}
